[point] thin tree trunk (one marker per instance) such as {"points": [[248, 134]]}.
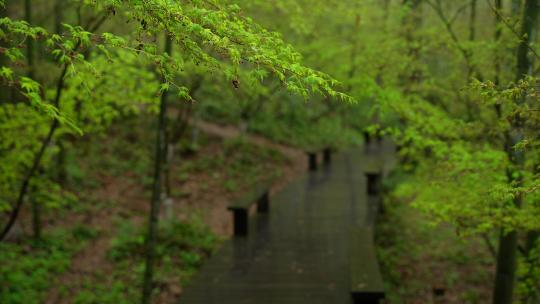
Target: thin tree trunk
{"points": [[36, 210], [470, 68], [61, 172], [507, 255], [151, 239], [4, 89], [497, 37], [29, 42], [36, 218], [37, 159], [506, 268], [498, 58], [59, 16], [472, 20], [36, 162]]}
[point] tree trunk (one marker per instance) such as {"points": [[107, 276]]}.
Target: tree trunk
{"points": [[497, 37], [36, 163], [36, 219], [36, 210], [506, 268], [59, 16], [472, 20], [61, 172], [151, 239], [507, 256], [470, 68], [29, 42]]}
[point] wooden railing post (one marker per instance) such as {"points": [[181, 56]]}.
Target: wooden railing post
{"points": [[263, 203], [312, 161], [259, 195], [367, 138], [327, 156], [374, 181], [240, 219]]}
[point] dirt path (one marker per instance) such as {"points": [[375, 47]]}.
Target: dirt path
{"points": [[229, 131], [297, 157], [127, 197]]}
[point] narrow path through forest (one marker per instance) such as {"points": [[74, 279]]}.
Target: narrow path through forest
{"points": [[299, 252], [230, 131]]}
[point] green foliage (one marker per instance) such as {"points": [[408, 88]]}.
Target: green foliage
{"points": [[101, 75], [416, 256], [192, 238], [412, 69], [27, 273], [182, 247], [95, 293], [462, 177]]}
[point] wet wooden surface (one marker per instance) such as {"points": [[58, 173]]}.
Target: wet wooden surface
{"points": [[300, 251]]}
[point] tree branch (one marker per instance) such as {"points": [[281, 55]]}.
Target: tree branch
{"points": [[467, 54], [511, 28]]}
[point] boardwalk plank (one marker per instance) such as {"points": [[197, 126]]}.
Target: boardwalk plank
{"points": [[299, 252]]}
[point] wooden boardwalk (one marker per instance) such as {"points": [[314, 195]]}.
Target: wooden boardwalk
{"points": [[300, 252]]}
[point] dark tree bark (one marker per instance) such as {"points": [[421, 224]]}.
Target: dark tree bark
{"points": [[61, 172], [508, 242], [23, 191], [58, 16], [471, 113], [29, 42], [497, 37], [472, 20], [36, 162], [36, 218], [36, 210], [153, 221], [4, 89]]}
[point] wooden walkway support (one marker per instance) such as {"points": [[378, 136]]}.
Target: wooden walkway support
{"points": [[240, 208], [326, 155], [314, 246]]}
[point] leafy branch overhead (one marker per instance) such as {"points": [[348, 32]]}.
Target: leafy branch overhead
{"points": [[211, 34], [210, 31]]}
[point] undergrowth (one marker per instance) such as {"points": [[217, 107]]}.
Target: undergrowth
{"points": [[27, 272], [181, 249]]}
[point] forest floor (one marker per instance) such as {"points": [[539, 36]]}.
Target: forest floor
{"points": [[114, 200]]}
